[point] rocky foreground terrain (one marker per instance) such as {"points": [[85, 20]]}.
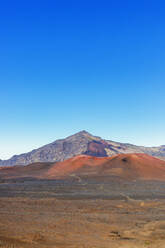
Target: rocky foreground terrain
{"points": [[80, 143], [69, 213]]}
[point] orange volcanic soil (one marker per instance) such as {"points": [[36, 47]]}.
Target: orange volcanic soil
{"points": [[76, 164], [126, 166], [35, 170]]}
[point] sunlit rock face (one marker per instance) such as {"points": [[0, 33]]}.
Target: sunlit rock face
{"points": [[80, 143]]}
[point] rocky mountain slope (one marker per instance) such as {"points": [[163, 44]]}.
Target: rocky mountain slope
{"points": [[80, 143]]}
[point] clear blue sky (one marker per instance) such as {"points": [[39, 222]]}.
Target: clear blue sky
{"points": [[72, 65]]}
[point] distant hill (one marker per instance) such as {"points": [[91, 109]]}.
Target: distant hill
{"points": [[126, 166], [77, 144], [122, 166]]}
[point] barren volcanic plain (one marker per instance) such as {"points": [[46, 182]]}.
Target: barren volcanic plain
{"points": [[84, 202]]}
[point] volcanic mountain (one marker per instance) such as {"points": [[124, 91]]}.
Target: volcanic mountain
{"points": [[125, 166], [78, 144]]}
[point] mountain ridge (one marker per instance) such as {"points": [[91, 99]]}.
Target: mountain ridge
{"points": [[80, 143]]}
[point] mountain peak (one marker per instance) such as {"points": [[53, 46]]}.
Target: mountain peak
{"points": [[79, 143], [83, 132]]}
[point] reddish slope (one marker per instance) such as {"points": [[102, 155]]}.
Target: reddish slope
{"points": [[76, 164], [35, 170], [128, 166]]}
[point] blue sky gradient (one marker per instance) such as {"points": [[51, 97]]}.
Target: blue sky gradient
{"points": [[67, 66]]}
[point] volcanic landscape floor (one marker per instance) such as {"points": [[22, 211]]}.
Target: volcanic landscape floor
{"points": [[110, 213]]}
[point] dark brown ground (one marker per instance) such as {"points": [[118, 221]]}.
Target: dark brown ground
{"points": [[86, 214]]}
